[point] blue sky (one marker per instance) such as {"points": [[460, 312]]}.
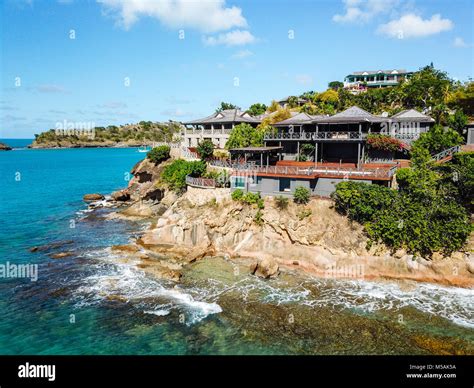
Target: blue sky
{"points": [[129, 61]]}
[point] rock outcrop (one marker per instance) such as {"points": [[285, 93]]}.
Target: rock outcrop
{"points": [[317, 240], [93, 197], [4, 147]]}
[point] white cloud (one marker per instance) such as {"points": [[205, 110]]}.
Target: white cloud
{"points": [[362, 11], [413, 26], [232, 38], [459, 42], [242, 54], [204, 15], [304, 79]]}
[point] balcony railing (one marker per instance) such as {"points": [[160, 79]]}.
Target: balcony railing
{"points": [[316, 136], [204, 183], [343, 172]]}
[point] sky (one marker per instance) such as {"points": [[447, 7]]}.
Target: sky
{"points": [[112, 62]]}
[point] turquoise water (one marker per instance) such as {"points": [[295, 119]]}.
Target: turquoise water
{"points": [[94, 303]]}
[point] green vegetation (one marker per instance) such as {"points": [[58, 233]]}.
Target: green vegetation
{"points": [[304, 213], [305, 152], [427, 214], [226, 106], [248, 198], [335, 85], [257, 109], [438, 139], [237, 195], [428, 89], [159, 154], [244, 135], [301, 195], [143, 132], [281, 202], [174, 175], [258, 218], [205, 149]]}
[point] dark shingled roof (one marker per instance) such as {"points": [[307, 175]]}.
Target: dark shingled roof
{"points": [[354, 114], [411, 115], [226, 116]]}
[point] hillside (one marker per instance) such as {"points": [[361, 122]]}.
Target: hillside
{"points": [[129, 135]]}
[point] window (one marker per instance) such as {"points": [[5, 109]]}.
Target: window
{"points": [[285, 184], [238, 182]]}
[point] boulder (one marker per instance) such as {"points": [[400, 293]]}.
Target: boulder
{"points": [[267, 268], [60, 255], [93, 197], [121, 195]]}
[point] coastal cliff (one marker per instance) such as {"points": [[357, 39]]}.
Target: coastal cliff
{"points": [[313, 238]]}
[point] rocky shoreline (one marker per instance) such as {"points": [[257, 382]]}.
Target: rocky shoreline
{"points": [[92, 144], [312, 239]]}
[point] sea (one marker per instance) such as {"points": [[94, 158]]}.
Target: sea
{"points": [[93, 302]]}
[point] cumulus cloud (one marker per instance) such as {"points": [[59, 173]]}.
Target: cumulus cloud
{"points": [[232, 38], [204, 15], [362, 11], [413, 26]]}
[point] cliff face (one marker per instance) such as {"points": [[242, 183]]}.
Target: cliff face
{"points": [[312, 238]]}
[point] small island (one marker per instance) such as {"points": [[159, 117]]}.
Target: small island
{"points": [[5, 147]]}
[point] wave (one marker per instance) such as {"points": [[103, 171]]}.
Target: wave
{"points": [[124, 281]]}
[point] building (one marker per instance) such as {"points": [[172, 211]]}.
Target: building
{"points": [[336, 148], [298, 101], [216, 127], [362, 80]]}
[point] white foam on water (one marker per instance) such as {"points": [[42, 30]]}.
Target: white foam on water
{"points": [[452, 303], [160, 312], [111, 277]]}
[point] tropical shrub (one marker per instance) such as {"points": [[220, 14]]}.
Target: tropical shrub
{"points": [[205, 149], [438, 139], [281, 202], [301, 195], [304, 213], [174, 175], [244, 135], [361, 201], [159, 154], [257, 109], [237, 194]]}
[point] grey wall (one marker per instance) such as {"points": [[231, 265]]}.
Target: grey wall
{"points": [[326, 186]]}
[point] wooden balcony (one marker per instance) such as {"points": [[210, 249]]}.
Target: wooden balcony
{"points": [[325, 170]]}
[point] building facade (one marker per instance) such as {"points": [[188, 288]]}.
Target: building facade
{"points": [[335, 148], [360, 81], [216, 127]]}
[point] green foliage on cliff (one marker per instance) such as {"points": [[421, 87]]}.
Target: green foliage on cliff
{"points": [[428, 212], [301, 195], [159, 154], [174, 175]]}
